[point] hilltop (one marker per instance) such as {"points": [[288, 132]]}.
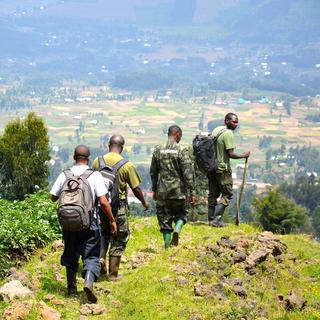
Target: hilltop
{"points": [[228, 273]]}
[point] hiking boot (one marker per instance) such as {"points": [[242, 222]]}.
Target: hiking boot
{"points": [[167, 238], [211, 216], [71, 282], [177, 230], [218, 220], [88, 286], [175, 238], [114, 263]]}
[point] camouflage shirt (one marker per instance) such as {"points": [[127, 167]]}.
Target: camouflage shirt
{"points": [[171, 171]]}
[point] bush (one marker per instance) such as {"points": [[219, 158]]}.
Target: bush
{"points": [[24, 152], [279, 214], [24, 226]]}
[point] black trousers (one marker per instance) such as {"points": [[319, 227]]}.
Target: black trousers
{"points": [[86, 244]]}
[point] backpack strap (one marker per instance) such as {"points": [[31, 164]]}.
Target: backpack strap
{"points": [[102, 162], [87, 173], [68, 173], [220, 133], [119, 164]]}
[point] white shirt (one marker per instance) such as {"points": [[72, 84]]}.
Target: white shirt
{"points": [[95, 180]]}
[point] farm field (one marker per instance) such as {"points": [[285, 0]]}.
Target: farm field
{"points": [[146, 123]]}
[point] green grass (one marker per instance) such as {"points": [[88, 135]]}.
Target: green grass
{"points": [[152, 291]]}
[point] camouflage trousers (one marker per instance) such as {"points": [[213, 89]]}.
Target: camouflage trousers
{"points": [[220, 184], [169, 211], [116, 244]]}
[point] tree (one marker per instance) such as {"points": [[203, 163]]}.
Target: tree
{"points": [[279, 214], [24, 152]]}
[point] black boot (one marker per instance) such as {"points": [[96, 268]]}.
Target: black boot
{"points": [[114, 263], [71, 282], [103, 252], [218, 213], [211, 215], [88, 286]]}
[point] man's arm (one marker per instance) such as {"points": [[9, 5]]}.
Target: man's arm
{"points": [[233, 155], [105, 205], [139, 195], [154, 174], [188, 174], [54, 198]]}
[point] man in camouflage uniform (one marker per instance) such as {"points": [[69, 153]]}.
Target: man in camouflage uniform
{"points": [[220, 181], [128, 175], [172, 178]]}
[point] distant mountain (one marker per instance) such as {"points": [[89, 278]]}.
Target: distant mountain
{"points": [[273, 20], [245, 20]]}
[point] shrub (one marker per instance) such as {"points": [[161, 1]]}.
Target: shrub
{"points": [[279, 214], [24, 226]]}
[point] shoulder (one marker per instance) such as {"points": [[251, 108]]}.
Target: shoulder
{"points": [[227, 134], [96, 175], [95, 163], [128, 169], [184, 151], [157, 149]]}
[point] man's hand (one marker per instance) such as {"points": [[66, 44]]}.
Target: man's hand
{"points": [[146, 205], [154, 195], [114, 227], [192, 200], [246, 154]]}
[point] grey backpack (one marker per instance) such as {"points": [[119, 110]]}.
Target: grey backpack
{"points": [[110, 177], [76, 206]]}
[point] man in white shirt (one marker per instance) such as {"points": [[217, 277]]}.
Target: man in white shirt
{"points": [[85, 243]]}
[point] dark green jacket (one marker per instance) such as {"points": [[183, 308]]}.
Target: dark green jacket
{"points": [[171, 171]]}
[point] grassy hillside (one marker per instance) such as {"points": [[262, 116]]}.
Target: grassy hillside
{"points": [[162, 284]]}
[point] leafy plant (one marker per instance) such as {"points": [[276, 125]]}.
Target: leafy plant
{"points": [[279, 214], [25, 226]]}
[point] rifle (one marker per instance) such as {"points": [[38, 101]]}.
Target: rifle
{"points": [[241, 192]]}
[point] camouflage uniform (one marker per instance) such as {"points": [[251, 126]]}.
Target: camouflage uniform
{"points": [[172, 176], [117, 242], [128, 175]]}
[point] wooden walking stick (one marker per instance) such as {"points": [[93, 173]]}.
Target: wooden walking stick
{"points": [[241, 192]]}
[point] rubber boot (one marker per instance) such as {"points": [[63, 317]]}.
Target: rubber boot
{"points": [[218, 213], [211, 216], [88, 286], [167, 239], [176, 232], [103, 254], [71, 282], [114, 263]]}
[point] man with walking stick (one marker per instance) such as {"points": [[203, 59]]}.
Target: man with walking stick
{"points": [[220, 181]]}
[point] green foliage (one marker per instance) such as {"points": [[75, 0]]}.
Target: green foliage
{"points": [[24, 150], [304, 191], [279, 214], [24, 226]]}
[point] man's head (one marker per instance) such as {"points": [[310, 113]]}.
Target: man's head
{"points": [[175, 132], [116, 143], [81, 154], [231, 121]]}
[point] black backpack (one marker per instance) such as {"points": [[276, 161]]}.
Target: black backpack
{"points": [[76, 206], [111, 180], [205, 152]]}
